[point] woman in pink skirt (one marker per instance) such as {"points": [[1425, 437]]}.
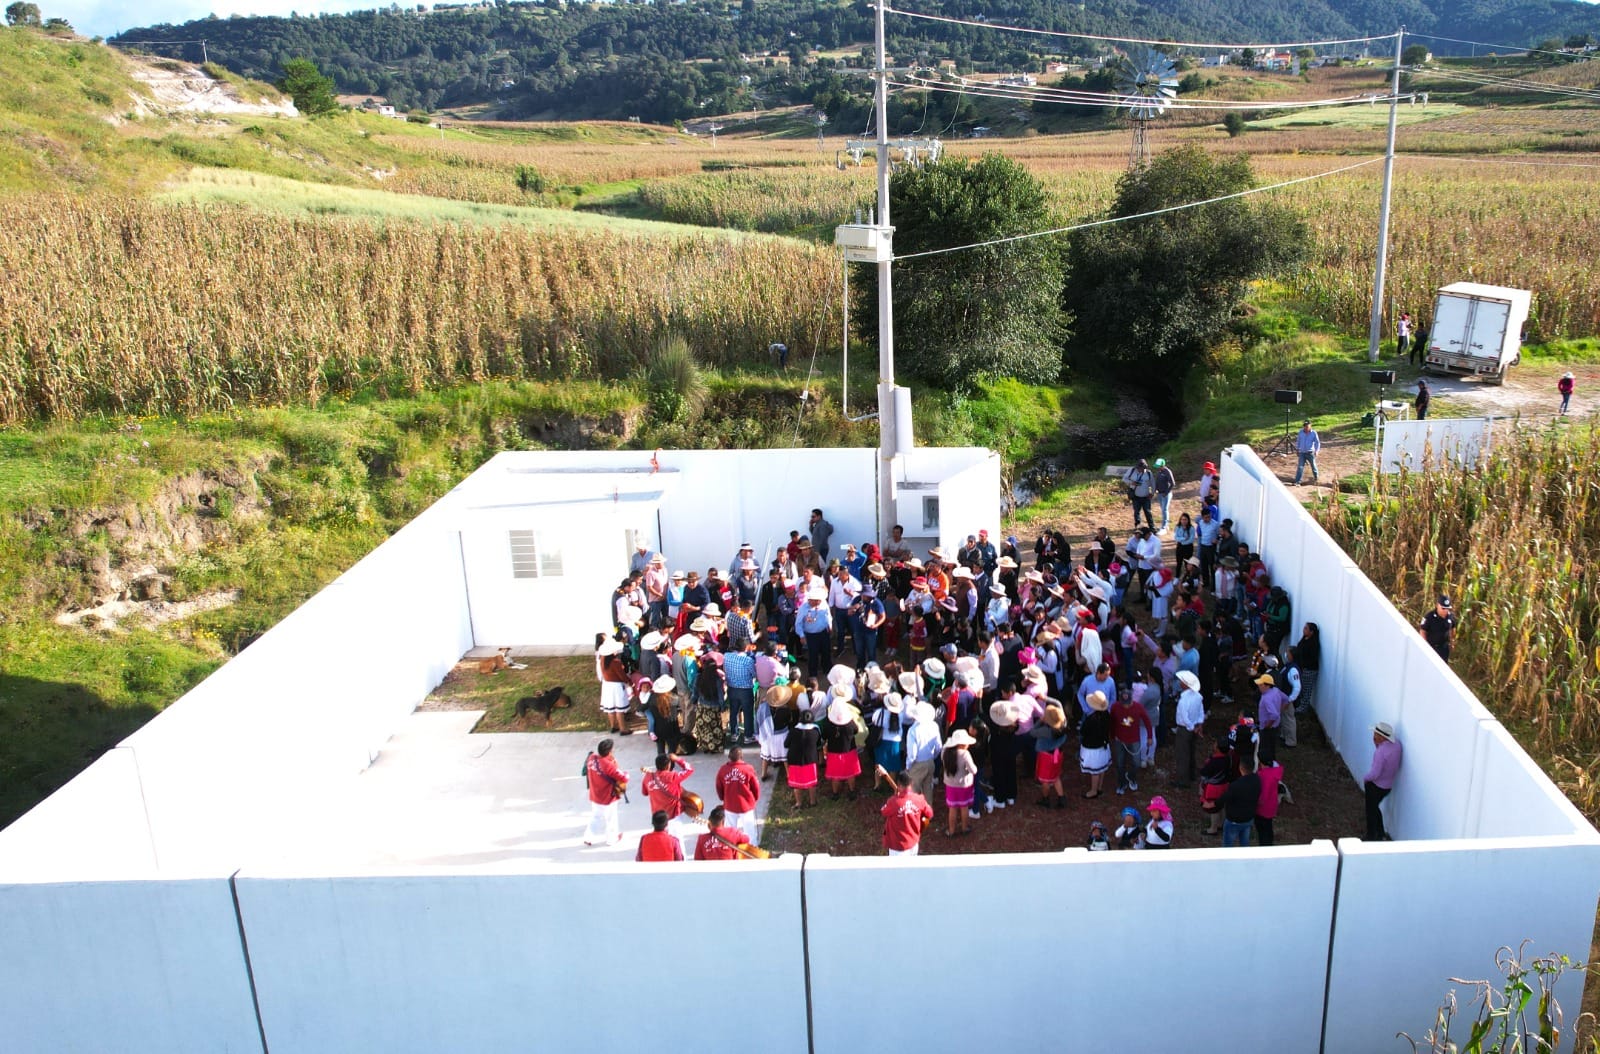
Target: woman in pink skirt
{"points": [[1052, 737], [960, 780], [801, 765], [842, 761]]}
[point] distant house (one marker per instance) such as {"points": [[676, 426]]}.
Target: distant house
{"points": [[1057, 67], [981, 132], [1019, 80], [385, 110], [1274, 60]]}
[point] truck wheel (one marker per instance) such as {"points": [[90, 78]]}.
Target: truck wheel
{"points": [[1498, 379]]}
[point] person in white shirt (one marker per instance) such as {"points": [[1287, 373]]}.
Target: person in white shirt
{"points": [[923, 747], [842, 592], [1143, 547], [1189, 721]]}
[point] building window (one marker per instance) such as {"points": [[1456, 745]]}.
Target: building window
{"points": [[930, 514], [533, 556]]}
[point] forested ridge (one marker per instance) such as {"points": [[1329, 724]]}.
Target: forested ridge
{"points": [[663, 62]]}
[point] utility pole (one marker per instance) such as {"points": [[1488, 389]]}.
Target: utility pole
{"points": [[887, 410], [1375, 327]]}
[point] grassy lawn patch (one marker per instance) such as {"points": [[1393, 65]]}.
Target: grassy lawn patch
{"points": [[496, 694]]}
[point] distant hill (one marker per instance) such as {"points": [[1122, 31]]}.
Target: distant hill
{"points": [[665, 62]]}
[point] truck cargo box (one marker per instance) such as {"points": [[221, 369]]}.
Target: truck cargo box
{"points": [[1477, 329]]}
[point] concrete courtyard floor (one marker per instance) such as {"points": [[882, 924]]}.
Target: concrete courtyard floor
{"points": [[439, 796]]}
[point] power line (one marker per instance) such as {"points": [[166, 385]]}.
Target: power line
{"points": [[1497, 47], [1140, 215], [1199, 45], [1067, 96], [1517, 83], [1497, 161]]}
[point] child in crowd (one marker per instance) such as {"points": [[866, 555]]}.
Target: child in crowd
{"points": [[1097, 841], [1130, 833]]}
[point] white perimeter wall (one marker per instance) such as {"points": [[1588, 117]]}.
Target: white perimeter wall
{"points": [[1414, 444], [130, 966], [1071, 951], [609, 957], [1489, 852]]}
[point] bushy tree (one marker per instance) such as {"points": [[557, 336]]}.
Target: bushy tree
{"points": [[1152, 294], [1414, 55], [988, 312], [22, 14], [1234, 123], [311, 91]]}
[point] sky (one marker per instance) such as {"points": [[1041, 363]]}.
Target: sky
{"points": [[105, 17]]}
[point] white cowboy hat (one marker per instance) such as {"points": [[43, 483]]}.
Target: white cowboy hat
{"points": [[1003, 713], [997, 590], [877, 571], [652, 640], [937, 553], [748, 565], [817, 592], [973, 679], [842, 691], [841, 712], [712, 611], [961, 572], [894, 704], [701, 625], [1189, 680], [841, 674], [1006, 563], [878, 681], [921, 713], [1097, 701], [1033, 673], [1035, 577], [628, 615], [965, 663], [959, 738], [687, 642], [663, 685], [934, 668], [908, 682], [609, 646]]}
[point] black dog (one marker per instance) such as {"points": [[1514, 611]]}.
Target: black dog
{"points": [[546, 704]]}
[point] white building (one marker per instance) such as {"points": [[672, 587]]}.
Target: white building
{"points": [[235, 877]]}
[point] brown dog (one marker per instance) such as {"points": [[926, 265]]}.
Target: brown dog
{"points": [[545, 704]]}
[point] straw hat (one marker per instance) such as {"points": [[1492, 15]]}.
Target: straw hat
{"points": [[1033, 673], [1567, 376], [780, 695], [914, 564], [1035, 577], [1055, 717], [921, 713], [877, 681], [1384, 729], [961, 572], [841, 674], [933, 668], [687, 642], [1004, 714], [936, 553], [1058, 592], [959, 738], [1190, 681], [894, 704], [877, 571], [609, 646], [1097, 701], [841, 712], [842, 691], [702, 625], [628, 615], [663, 685], [652, 640], [712, 611], [748, 565], [1005, 563], [973, 679], [997, 590]]}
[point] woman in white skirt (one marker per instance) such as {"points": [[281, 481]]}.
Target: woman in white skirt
{"points": [[1094, 739], [613, 684], [774, 717]]}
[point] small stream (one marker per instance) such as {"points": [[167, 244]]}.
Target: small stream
{"points": [[1139, 433]]}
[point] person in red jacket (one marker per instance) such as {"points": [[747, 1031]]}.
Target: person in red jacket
{"points": [[607, 785], [719, 842], [905, 814], [664, 785], [659, 846], [738, 788]]}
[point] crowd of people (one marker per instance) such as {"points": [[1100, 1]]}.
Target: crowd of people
{"points": [[967, 674]]}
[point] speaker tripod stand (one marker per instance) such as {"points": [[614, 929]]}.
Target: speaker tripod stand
{"points": [[1284, 444]]}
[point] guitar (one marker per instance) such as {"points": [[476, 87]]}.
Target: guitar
{"points": [[694, 805]]}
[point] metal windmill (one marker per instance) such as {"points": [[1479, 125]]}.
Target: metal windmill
{"points": [[1147, 81]]}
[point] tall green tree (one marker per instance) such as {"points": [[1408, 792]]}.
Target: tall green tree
{"points": [[22, 14], [1151, 295], [311, 91], [975, 313]]}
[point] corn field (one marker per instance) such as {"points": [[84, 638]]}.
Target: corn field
{"points": [[135, 307], [1512, 541]]}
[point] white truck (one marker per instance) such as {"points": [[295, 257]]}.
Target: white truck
{"points": [[1477, 329]]}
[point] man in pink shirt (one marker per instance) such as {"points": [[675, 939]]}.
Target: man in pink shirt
{"points": [[1380, 778]]}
